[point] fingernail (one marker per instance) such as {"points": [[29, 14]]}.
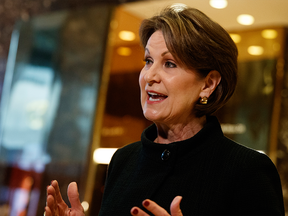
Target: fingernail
{"points": [[135, 211], [146, 203], [52, 182]]}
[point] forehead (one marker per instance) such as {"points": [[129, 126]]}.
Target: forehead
{"points": [[156, 41]]}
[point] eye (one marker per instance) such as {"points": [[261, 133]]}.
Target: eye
{"points": [[169, 64], [148, 61]]}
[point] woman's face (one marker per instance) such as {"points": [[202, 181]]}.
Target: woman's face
{"points": [[168, 92]]}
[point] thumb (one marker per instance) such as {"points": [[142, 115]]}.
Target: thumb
{"points": [[175, 206], [73, 197]]}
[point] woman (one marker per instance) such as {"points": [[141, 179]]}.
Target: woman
{"points": [[190, 72]]}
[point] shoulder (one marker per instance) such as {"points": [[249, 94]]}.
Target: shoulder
{"points": [[243, 158], [256, 180], [243, 162], [125, 155], [241, 154], [221, 147], [127, 150]]}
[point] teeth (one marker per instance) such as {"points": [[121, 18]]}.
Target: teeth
{"points": [[151, 99], [155, 94], [152, 93], [155, 97]]}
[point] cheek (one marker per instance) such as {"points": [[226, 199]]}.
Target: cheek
{"points": [[142, 85], [189, 91], [141, 81]]}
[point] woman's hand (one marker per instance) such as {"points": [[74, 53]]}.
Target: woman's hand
{"points": [[158, 210], [56, 206]]}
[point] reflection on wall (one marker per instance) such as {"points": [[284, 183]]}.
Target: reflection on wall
{"points": [[282, 138], [123, 121], [27, 109], [249, 115], [51, 90], [246, 117]]}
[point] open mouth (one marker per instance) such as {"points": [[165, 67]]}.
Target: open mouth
{"points": [[156, 97]]}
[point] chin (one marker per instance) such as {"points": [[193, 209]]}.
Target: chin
{"points": [[149, 116]]}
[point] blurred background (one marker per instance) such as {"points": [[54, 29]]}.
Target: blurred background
{"points": [[70, 97]]}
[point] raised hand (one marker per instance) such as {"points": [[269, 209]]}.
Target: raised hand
{"points": [[158, 210], [55, 204]]}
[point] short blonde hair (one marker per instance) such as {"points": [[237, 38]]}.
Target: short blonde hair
{"points": [[200, 44]]}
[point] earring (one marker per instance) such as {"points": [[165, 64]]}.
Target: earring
{"points": [[204, 100]]}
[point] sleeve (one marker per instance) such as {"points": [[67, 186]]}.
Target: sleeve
{"points": [[258, 189]]}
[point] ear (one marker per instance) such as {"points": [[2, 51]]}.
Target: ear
{"points": [[212, 80]]}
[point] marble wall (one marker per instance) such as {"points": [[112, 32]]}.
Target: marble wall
{"points": [[12, 11], [282, 138]]}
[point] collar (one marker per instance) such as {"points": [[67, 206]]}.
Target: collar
{"points": [[180, 150]]}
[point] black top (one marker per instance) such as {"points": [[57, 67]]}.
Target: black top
{"points": [[213, 174]]}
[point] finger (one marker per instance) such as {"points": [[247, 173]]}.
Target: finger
{"points": [[48, 211], [73, 197], [175, 206], [154, 208], [51, 198], [50, 190], [58, 197], [137, 211], [50, 201]]}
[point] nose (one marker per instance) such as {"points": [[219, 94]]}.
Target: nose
{"points": [[151, 75]]}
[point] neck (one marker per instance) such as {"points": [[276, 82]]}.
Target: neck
{"points": [[168, 133]]}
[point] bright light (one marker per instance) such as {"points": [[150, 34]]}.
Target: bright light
{"points": [[233, 128], [269, 33], [219, 4], [124, 51], [245, 19], [126, 35], [103, 155], [85, 205], [236, 38], [255, 50]]}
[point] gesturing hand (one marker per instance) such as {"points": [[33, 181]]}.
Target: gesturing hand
{"points": [[158, 210], [57, 207]]}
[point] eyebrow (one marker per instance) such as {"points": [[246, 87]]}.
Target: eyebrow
{"points": [[146, 49], [164, 53]]}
